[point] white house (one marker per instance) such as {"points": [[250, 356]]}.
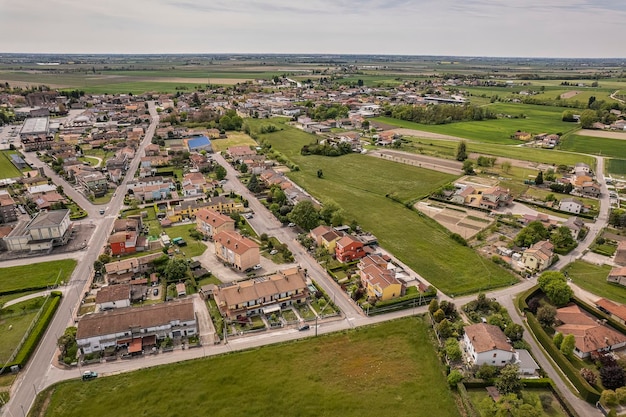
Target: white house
{"points": [[113, 296], [136, 327], [571, 205], [487, 344]]}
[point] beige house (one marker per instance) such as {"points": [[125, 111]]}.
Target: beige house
{"points": [[210, 222], [264, 295], [617, 275], [235, 250], [539, 256]]}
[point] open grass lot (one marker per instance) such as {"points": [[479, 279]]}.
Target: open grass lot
{"points": [[233, 139], [617, 166], [359, 184], [7, 169], [596, 146], [539, 119], [592, 278], [292, 379], [19, 316], [447, 149], [36, 275]]}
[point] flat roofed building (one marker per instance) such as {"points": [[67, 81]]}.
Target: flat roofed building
{"points": [[35, 126], [126, 326], [46, 230]]}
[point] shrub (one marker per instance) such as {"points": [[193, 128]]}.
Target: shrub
{"points": [[454, 378], [608, 397], [589, 375]]}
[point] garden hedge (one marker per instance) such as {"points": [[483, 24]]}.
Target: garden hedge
{"points": [[36, 333]]}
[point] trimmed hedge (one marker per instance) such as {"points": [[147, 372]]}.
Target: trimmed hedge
{"points": [[587, 392], [522, 299], [36, 333]]}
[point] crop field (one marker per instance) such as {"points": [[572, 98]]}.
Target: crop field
{"points": [[617, 166], [595, 146], [592, 278], [538, 119], [36, 275], [233, 139], [417, 240], [293, 379], [7, 169]]}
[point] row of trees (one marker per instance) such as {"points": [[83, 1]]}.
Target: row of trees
{"points": [[441, 113], [326, 149], [535, 231]]}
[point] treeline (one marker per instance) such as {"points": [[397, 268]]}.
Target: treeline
{"points": [[324, 112], [441, 113], [326, 149]]}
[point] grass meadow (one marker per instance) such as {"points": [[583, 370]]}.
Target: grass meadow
{"points": [[595, 146], [19, 316], [617, 166], [363, 372], [592, 278], [7, 169], [233, 139], [360, 184], [36, 275]]}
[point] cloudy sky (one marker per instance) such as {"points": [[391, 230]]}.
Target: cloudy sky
{"points": [[537, 28]]}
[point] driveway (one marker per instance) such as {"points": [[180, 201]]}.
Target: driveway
{"points": [[205, 324]]}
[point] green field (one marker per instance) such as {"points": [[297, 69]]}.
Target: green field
{"points": [[539, 119], [595, 146], [19, 316], [447, 149], [617, 166], [7, 169], [360, 183], [592, 278], [233, 139], [36, 275], [372, 370]]}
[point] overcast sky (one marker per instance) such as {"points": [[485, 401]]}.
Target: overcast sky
{"points": [[537, 28]]}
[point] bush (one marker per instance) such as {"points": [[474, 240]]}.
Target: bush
{"points": [[454, 378], [608, 397]]}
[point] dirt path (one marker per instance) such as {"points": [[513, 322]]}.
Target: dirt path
{"points": [[569, 94], [427, 135], [602, 134], [514, 162], [446, 166]]}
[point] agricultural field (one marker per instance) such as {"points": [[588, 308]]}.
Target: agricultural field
{"points": [[38, 275], [418, 241], [592, 278], [7, 169], [399, 353], [595, 146], [537, 119], [617, 166], [233, 139]]}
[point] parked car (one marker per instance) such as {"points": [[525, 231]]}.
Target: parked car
{"points": [[255, 267], [291, 224], [155, 292], [304, 327], [87, 375], [273, 252]]}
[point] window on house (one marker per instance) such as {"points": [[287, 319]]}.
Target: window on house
{"points": [[495, 354]]}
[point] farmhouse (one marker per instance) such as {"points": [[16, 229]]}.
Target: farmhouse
{"points": [[263, 295], [487, 344], [590, 335], [136, 328]]}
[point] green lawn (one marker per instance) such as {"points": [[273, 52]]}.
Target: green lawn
{"points": [[596, 146], [233, 139], [359, 184], [617, 166], [20, 317], [390, 366], [592, 278], [36, 275], [7, 169], [539, 119]]}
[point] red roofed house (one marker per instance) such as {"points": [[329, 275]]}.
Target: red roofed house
{"points": [[495, 197], [236, 250], [590, 335], [379, 278], [123, 243], [348, 249], [487, 344], [616, 311], [617, 275], [539, 256], [210, 222]]}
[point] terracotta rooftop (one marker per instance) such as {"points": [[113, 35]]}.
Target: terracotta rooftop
{"points": [[485, 337], [113, 293]]}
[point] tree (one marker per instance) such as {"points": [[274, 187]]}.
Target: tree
{"points": [[175, 270], [621, 395], [320, 173], [612, 376], [461, 151], [328, 209], [568, 345], [444, 329], [305, 215], [468, 167], [433, 306], [514, 332], [546, 315], [554, 285], [486, 371], [253, 184], [531, 234], [608, 398], [439, 315], [506, 166], [562, 238], [550, 175], [588, 118], [243, 168], [508, 382], [453, 351], [220, 172], [539, 178], [558, 340], [454, 378]]}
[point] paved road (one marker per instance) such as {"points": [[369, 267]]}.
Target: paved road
{"points": [[33, 378]]}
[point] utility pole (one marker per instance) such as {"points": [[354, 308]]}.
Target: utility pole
{"points": [[316, 325]]}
